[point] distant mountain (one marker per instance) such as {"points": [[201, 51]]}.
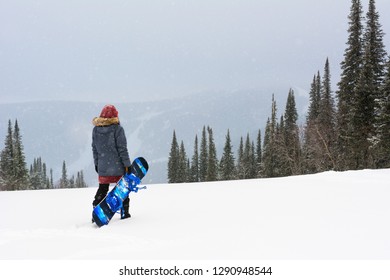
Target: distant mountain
{"points": [[58, 131]]}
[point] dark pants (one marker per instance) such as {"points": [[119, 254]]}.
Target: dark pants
{"points": [[101, 194]]}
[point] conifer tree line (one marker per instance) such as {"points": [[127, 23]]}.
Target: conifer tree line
{"points": [[14, 174], [347, 129], [279, 155]]}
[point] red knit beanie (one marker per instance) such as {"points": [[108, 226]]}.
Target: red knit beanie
{"points": [[109, 111]]}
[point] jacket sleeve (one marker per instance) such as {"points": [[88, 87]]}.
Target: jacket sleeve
{"points": [[121, 145], [94, 150]]}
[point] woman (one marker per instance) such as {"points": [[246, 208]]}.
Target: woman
{"points": [[110, 154]]}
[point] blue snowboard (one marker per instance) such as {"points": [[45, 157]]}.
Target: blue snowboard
{"points": [[105, 210]]}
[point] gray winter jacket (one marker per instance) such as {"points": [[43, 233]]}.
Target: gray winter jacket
{"points": [[109, 148]]}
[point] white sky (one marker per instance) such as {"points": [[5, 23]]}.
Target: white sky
{"points": [[117, 51]]}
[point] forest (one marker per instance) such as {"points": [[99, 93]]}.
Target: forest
{"points": [[14, 174], [348, 129]]}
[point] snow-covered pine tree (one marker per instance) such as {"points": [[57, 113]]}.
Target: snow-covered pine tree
{"points": [[7, 166], [80, 181], [182, 171], [188, 169], [47, 184], [382, 159], [203, 157], [21, 171], [346, 93], [314, 99], [71, 182], [194, 169], [173, 160], [13, 168], [37, 178], [240, 161], [212, 166], [311, 150], [253, 172], [368, 90], [280, 154], [291, 135], [247, 157], [259, 155], [226, 166], [374, 38], [248, 160], [326, 123], [269, 147], [51, 179], [64, 181]]}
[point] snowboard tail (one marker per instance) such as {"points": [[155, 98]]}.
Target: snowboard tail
{"points": [[106, 209]]}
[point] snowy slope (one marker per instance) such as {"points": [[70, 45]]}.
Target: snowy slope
{"points": [[332, 215]]}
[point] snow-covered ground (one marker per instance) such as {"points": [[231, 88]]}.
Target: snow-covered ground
{"points": [[332, 215]]}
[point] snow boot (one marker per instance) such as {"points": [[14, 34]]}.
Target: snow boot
{"points": [[100, 195], [125, 209]]}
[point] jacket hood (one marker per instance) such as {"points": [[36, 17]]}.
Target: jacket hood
{"points": [[99, 121]]}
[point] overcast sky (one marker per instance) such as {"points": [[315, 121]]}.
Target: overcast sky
{"points": [[117, 51]]}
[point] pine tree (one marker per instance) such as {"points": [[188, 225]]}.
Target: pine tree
{"points": [[188, 169], [51, 179], [291, 136], [13, 169], [20, 172], [194, 169], [71, 183], [375, 53], [80, 183], [281, 161], [203, 157], [227, 160], [36, 174], [253, 171], [311, 144], [182, 174], [265, 151], [7, 165], [212, 167], [248, 160], [269, 163], [383, 129], [240, 169], [173, 161], [3, 184], [374, 42], [319, 145], [259, 155], [315, 97], [83, 184], [46, 183], [64, 181], [371, 77], [346, 94], [326, 122]]}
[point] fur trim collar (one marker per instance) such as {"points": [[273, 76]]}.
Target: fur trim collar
{"points": [[99, 121]]}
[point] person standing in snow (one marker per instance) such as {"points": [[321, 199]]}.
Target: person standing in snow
{"points": [[110, 154]]}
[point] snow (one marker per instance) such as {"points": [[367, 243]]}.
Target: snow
{"points": [[327, 216]]}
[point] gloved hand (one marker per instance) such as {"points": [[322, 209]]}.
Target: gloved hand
{"points": [[96, 169], [127, 170]]}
